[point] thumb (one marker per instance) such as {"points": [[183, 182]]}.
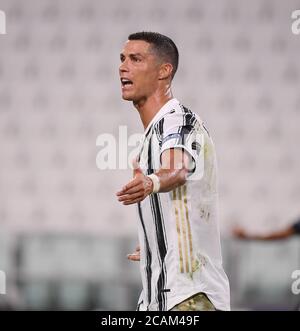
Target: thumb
{"points": [[136, 167]]}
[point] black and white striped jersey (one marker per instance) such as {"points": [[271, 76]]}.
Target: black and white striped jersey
{"points": [[178, 230]]}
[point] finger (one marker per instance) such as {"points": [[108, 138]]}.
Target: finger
{"points": [[130, 202], [133, 257], [121, 192], [130, 185], [135, 189], [126, 196]]}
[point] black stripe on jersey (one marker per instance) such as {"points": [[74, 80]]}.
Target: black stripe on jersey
{"points": [[196, 146], [161, 239], [187, 127], [149, 132], [192, 121], [160, 131], [148, 256], [139, 305], [162, 247], [171, 136], [185, 109], [189, 117], [162, 250]]}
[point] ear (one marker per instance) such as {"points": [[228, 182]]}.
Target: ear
{"points": [[165, 71]]}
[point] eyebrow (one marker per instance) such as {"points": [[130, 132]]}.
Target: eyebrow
{"points": [[132, 54]]}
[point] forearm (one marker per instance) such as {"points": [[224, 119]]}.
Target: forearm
{"points": [[277, 235], [283, 234], [173, 173], [174, 169], [171, 178]]}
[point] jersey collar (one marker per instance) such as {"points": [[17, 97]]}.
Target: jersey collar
{"points": [[163, 110]]}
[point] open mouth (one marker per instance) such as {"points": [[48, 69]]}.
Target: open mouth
{"points": [[126, 82]]}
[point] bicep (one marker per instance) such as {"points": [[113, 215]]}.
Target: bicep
{"points": [[176, 158]]}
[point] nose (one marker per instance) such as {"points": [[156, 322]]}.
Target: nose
{"points": [[123, 67]]}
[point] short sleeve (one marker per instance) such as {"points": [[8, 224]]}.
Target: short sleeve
{"points": [[179, 130]]}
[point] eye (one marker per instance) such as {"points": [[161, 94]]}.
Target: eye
{"points": [[136, 59]]}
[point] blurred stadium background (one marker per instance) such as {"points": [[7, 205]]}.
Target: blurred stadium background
{"points": [[63, 235]]}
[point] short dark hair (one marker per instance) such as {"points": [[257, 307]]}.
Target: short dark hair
{"points": [[164, 47]]}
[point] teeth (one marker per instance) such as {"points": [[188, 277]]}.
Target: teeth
{"points": [[124, 81]]}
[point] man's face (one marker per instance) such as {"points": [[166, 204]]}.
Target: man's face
{"points": [[139, 70]]}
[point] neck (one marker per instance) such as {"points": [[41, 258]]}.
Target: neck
{"points": [[150, 106]]}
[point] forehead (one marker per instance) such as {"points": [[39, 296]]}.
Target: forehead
{"points": [[136, 46]]}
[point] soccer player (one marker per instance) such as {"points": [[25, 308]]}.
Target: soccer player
{"points": [[174, 186]]}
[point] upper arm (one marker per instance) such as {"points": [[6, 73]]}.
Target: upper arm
{"points": [[180, 141], [176, 158]]}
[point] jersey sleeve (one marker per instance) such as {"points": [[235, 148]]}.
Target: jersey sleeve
{"points": [[178, 130]]}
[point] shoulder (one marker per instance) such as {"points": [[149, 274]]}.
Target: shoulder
{"points": [[178, 115]]}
